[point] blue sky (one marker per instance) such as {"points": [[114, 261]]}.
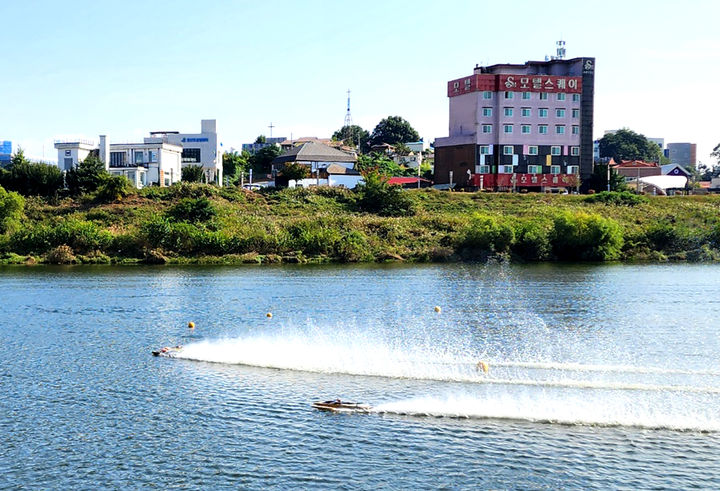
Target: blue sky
{"points": [[83, 68]]}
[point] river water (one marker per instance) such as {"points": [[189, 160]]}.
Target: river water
{"points": [[599, 377]]}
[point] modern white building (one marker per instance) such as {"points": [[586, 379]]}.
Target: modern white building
{"points": [[144, 164], [201, 149]]}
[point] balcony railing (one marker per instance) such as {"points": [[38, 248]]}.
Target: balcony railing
{"points": [[123, 165]]}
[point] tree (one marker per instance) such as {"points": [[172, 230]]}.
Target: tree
{"points": [[392, 130], [295, 171], [31, 178], [114, 188], [402, 149], [260, 139], [377, 196], [87, 176], [11, 210], [381, 164], [353, 136], [599, 179], [625, 144], [192, 173], [234, 164], [260, 162]]}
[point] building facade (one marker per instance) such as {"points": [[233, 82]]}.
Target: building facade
{"points": [[524, 125], [5, 152], [682, 153]]}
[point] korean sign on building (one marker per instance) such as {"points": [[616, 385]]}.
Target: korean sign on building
{"points": [[514, 83]]}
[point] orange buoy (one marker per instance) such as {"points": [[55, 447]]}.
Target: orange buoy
{"points": [[268, 315], [191, 325], [438, 309]]}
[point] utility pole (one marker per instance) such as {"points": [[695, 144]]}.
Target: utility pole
{"points": [[271, 128]]}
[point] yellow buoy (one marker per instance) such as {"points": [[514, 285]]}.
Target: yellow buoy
{"points": [[191, 325], [482, 365], [438, 309], [268, 315]]}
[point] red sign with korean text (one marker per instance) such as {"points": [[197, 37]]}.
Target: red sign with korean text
{"points": [[473, 83], [523, 180], [540, 83]]}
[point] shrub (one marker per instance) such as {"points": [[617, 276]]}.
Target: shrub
{"points": [[487, 234], [616, 198], [193, 210], [11, 210], [583, 236], [377, 196], [114, 188], [312, 237], [664, 236], [192, 173], [33, 179], [533, 240], [87, 176], [62, 254], [81, 236]]}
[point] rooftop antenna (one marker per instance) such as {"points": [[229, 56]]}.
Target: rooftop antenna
{"points": [[348, 117], [559, 51], [271, 127]]}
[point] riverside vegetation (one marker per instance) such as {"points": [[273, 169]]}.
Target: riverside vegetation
{"points": [[198, 223]]}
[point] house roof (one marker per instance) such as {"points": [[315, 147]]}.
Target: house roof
{"points": [[314, 152], [336, 169], [670, 169]]}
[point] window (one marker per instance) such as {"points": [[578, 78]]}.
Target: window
{"points": [[542, 129], [68, 163], [526, 95], [560, 113], [482, 169], [153, 155], [555, 150], [117, 159], [487, 128], [508, 111], [532, 150], [487, 112], [487, 95], [576, 98], [68, 153], [561, 96], [508, 94], [576, 113], [575, 151], [554, 169], [575, 130], [191, 155], [507, 129], [543, 112], [534, 169], [525, 129], [559, 129], [139, 156], [505, 169], [543, 96], [573, 169], [526, 112], [508, 150], [484, 150]]}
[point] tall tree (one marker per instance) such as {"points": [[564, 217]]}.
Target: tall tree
{"points": [[392, 130], [234, 164], [260, 139], [87, 176], [260, 162], [353, 136], [625, 144]]}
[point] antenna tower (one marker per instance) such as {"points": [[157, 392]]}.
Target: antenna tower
{"points": [[559, 51], [348, 117]]}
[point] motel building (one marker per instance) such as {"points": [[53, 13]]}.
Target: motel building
{"points": [[515, 127]]}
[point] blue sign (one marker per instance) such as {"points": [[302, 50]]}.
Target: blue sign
{"points": [[194, 140], [6, 147]]}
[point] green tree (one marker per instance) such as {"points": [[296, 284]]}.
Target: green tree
{"points": [[114, 188], [625, 144], [11, 210], [598, 180], [392, 130], [293, 170], [353, 136], [192, 173], [260, 139], [234, 164], [261, 160], [377, 196], [31, 178], [381, 164], [87, 176]]}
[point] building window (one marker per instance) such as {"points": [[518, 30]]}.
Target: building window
{"points": [[508, 94], [487, 112], [68, 163], [526, 112], [484, 150], [487, 128], [482, 169], [533, 150], [68, 153], [561, 96], [508, 150], [534, 169], [487, 95], [507, 129], [505, 169], [526, 95], [542, 129], [139, 156], [543, 96], [560, 113], [575, 151], [153, 156], [559, 129], [575, 130], [525, 129], [573, 169], [576, 98], [554, 169], [508, 111], [543, 112], [117, 159], [576, 113], [555, 150], [191, 155]]}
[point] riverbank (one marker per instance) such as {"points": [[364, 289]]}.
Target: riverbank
{"points": [[200, 224]]}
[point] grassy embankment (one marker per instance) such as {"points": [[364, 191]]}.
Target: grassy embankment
{"points": [[203, 224]]}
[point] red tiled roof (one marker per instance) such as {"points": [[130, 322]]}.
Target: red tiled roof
{"points": [[635, 163]]}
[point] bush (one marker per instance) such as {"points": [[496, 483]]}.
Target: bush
{"points": [[87, 176], [114, 188], [193, 210], [583, 236], [377, 196], [664, 236], [83, 237], [616, 198], [33, 179], [193, 173], [533, 240], [11, 210], [62, 254], [487, 234]]}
